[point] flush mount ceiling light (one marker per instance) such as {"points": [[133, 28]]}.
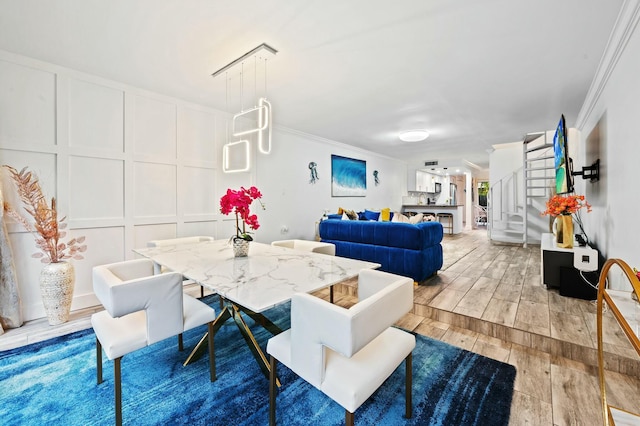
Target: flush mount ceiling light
{"points": [[414, 135]]}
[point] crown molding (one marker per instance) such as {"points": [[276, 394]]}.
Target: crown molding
{"points": [[623, 29]]}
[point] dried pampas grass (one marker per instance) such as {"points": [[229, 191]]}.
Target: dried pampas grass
{"points": [[48, 229]]}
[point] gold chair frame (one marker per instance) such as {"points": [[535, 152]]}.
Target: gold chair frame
{"points": [[603, 297]]}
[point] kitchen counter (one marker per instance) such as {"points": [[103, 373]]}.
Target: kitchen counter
{"points": [[456, 210]]}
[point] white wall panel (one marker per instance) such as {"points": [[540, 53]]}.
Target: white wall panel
{"points": [[197, 194], [200, 228], [226, 228], [161, 231], [96, 188], [196, 134], [104, 245], [96, 117], [154, 190], [27, 105], [43, 165], [155, 129]]}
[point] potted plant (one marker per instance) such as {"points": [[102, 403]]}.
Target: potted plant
{"points": [[57, 277], [239, 202], [563, 208]]}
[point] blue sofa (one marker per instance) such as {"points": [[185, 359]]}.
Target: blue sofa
{"points": [[401, 248]]}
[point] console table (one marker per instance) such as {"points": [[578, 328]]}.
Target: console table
{"points": [[553, 258], [557, 268]]}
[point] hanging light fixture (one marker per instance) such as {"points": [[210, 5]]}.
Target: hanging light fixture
{"points": [[263, 50], [260, 115], [242, 149], [264, 141]]}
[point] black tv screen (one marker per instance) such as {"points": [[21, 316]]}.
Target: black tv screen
{"points": [[564, 183]]}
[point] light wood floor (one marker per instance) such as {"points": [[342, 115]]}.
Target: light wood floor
{"points": [[486, 291]]}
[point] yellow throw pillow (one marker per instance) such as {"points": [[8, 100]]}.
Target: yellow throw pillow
{"points": [[385, 214]]}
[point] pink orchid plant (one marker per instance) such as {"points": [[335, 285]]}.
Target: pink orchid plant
{"points": [[238, 202]]}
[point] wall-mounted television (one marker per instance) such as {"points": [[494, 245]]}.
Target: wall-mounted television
{"points": [[564, 179]]}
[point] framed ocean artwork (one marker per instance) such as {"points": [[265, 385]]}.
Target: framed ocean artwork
{"points": [[348, 177]]}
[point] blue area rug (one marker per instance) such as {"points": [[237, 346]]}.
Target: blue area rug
{"points": [[54, 383]]}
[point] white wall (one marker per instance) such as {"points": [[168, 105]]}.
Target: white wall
{"points": [[504, 160], [609, 128], [505, 181], [127, 166], [295, 203]]}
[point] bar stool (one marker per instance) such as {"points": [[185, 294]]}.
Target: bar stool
{"points": [[427, 214], [449, 224]]}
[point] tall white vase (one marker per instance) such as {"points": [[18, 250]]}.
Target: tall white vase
{"points": [[57, 281]]}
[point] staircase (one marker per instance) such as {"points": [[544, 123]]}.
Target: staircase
{"points": [[516, 201], [539, 182]]}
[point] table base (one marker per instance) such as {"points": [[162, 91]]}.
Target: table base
{"points": [[231, 310]]}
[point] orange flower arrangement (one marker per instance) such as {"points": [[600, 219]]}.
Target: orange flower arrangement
{"points": [[566, 205]]}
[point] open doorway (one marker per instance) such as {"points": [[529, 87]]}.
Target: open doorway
{"points": [[480, 205]]}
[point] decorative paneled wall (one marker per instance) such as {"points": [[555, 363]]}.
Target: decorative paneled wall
{"points": [[126, 166]]}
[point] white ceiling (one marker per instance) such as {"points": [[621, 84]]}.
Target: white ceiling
{"points": [[474, 73]]}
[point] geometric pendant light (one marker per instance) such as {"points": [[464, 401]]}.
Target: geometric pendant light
{"points": [[257, 120]]}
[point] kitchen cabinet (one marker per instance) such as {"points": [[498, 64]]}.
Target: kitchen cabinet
{"points": [[426, 182]]}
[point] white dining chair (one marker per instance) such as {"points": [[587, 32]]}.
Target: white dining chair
{"points": [[179, 241], [347, 353], [305, 245], [311, 246], [142, 309]]}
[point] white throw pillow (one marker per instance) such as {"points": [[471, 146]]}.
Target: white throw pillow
{"points": [[400, 218], [416, 218]]}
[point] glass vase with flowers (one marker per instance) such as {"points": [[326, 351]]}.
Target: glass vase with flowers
{"points": [[239, 202], [564, 208]]}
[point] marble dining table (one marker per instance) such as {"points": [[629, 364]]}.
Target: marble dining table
{"points": [[267, 277]]}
